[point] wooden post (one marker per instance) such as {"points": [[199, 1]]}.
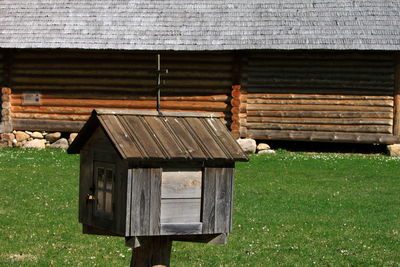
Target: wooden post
{"points": [[239, 96], [5, 123], [396, 117], [235, 103], [239, 111], [155, 252], [243, 96], [243, 112]]}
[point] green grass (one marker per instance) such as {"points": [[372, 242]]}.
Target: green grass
{"points": [[290, 210]]}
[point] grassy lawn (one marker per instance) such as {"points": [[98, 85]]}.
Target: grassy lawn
{"points": [[290, 210]]}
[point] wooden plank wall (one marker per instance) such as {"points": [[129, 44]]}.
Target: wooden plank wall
{"points": [[144, 204], [217, 200], [319, 96], [99, 149], [144, 201], [73, 82]]}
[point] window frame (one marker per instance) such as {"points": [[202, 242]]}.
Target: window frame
{"points": [[103, 211]]}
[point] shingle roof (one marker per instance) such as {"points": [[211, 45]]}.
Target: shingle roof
{"points": [[201, 25], [147, 135]]}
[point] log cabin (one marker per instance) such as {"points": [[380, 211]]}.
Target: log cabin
{"points": [[308, 70]]}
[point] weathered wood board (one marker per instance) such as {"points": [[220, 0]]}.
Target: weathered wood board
{"points": [[182, 211], [181, 183], [217, 202]]}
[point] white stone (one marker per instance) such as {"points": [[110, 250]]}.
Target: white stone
{"points": [[52, 137], [263, 146], [269, 151], [21, 136], [248, 145], [61, 143], [35, 143], [37, 135], [72, 137], [394, 150]]}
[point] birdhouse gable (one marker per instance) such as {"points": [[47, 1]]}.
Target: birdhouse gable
{"points": [[149, 136]]}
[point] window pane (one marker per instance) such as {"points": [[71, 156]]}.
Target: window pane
{"points": [[100, 200], [104, 185], [108, 202], [109, 179], [100, 177]]}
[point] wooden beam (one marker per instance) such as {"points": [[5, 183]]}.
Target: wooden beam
{"points": [[47, 125], [143, 90], [5, 117], [125, 96], [155, 252], [321, 121], [396, 114], [131, 104], [324, 136], [377, 129], [235, 103], [351, 102], [243, 94], [320, 114], [296, 107], [318, 96]]}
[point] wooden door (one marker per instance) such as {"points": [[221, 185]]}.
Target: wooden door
{"points": [[100, 201]]}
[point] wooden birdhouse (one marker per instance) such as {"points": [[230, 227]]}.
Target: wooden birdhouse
{"points": [[147, 173]]}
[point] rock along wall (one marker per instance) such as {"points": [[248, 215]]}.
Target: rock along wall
{"points": [[39, 140]]}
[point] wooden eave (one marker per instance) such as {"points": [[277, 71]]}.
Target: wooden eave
{"points": [[164, 136]]}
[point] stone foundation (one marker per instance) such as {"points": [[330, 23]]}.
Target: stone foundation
{"points": [[250, 146], [37, 140], [394, 150]]}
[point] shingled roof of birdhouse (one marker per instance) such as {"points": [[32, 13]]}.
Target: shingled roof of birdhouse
{"points": [[149, 135]]}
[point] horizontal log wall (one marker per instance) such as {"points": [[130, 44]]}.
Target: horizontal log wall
{"points": [[321, 97], [1, 85], [5, 118], [72, 83], [324, 96], [2, 70]]}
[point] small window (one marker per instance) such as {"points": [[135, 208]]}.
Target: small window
{"points": [[104, 184]]}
